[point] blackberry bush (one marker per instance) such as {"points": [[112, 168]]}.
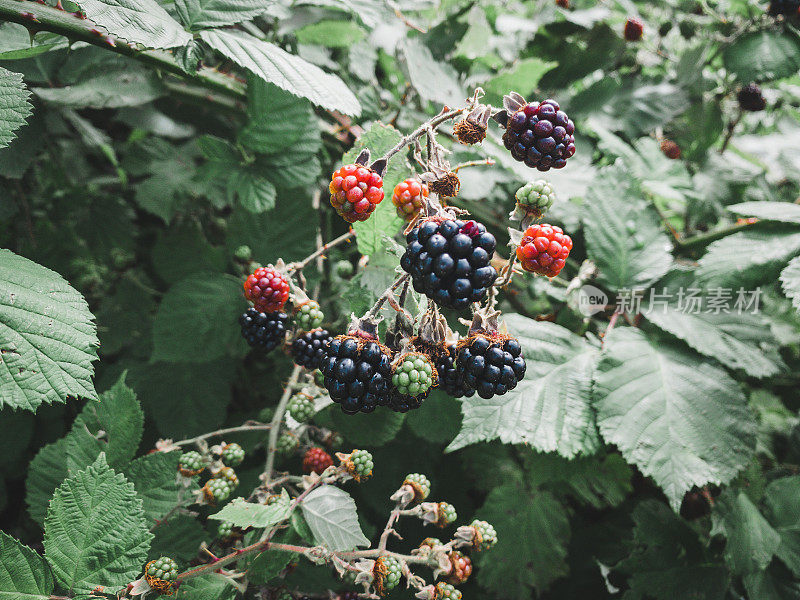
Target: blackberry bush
{"points": [[309, 350], [358, 373], [449, 261], [490, 365], [265, 331]]}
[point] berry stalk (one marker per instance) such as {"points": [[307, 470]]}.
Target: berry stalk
{"points": [[250, 426], [277, 419]]}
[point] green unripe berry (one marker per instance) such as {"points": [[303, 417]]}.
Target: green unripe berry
{"points": [[225, 530], [217, 490], [421, 485], [534, 198], [344, 269], [287, 444], [191, 461], [445, 591], [309, 316], [413, 375], [391, 571], [301, 407], [360, 464], [485, 537], [164, 568], [447, 514], [243, 253], [232, 455]]}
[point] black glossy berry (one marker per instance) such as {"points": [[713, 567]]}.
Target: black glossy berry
{"points": [[540, 135], [357, 373], [490, 367], [449, 379], [450, 261], [788, 8], [263, 330], [751, 98], [309, 349]]}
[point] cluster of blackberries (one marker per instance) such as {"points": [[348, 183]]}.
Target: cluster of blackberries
{"points": [[540, 135], [449, 261], [308, 350], [263, 330], [490, 366], [357, 373]]}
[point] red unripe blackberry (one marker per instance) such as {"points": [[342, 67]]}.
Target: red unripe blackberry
{"points": [[316, 460], [751, 98], [461, 568], [541, 135], [408, 198], [308, 350], [562, 3], [634, 29], [267, 289], [265, 331], [358, 373], [355, 192], [490, 365], [544, 249], [670, 149], [450, 261]]}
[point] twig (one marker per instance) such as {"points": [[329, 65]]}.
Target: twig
{"points": [[611, 323], [422, 129], [393, 516], [220, 432], [385, 296], [275, 424], [474, 163], [729, 134], [300, 265]]}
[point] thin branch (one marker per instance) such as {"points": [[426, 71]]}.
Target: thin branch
{"points": [[41, 17], [386, 295], [422, 129], [219, 432], [275, 425], [474, 163], [731, 127], [299, 266]]}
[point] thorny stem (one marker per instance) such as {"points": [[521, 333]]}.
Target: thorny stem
{"points": [[386, 295], [299, 266], [422, 129], [395, 514], [611, 323], [474, 163], [41, 17], [508, 272], [275, 424], [249, 426]]}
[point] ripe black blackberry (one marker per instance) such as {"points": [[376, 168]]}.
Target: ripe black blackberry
{"points": [[539, 134], [449, 379], [789, 8], [490, 365], [263, 330], [308, 350], [751, 98], [358, 373], [449, 261]]}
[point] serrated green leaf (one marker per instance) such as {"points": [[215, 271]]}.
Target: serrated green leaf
{"points": [[285, 70], [16, 42], [331, 516], [197, 319], [782, 499], [379, 138], [48, 340], [142, 21], [117, 421], [95, 531], [256, 194], [435, 80], [183, 250], [439, 419], [532, 536], [129, 87], [154, 476], [212, 586], [46, 471], [331, 34], [680, 420], [247, 514], [15, 106], [551, 408], [790, 281], [523, 77], [623, 237], [751, 540], [749, 257], [668, 560], [184, 399], [763, 55], [24, 575], [196, 14], [785, 212]]}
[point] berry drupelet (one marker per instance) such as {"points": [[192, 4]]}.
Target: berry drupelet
{"points": [[490, 365], [355, 192], [540, 135], [264, 330], [308, 350], [267, 289], [358, 373], [460, 567], [544, 249], [408, 198], [449, 261]]}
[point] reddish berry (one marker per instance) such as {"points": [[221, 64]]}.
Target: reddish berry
{"points": [[316, 460], [267, 289], [408, 198], [461, 567], [544, 249], [634, 29], [670, 149], [562, 3], [355, 192]]}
